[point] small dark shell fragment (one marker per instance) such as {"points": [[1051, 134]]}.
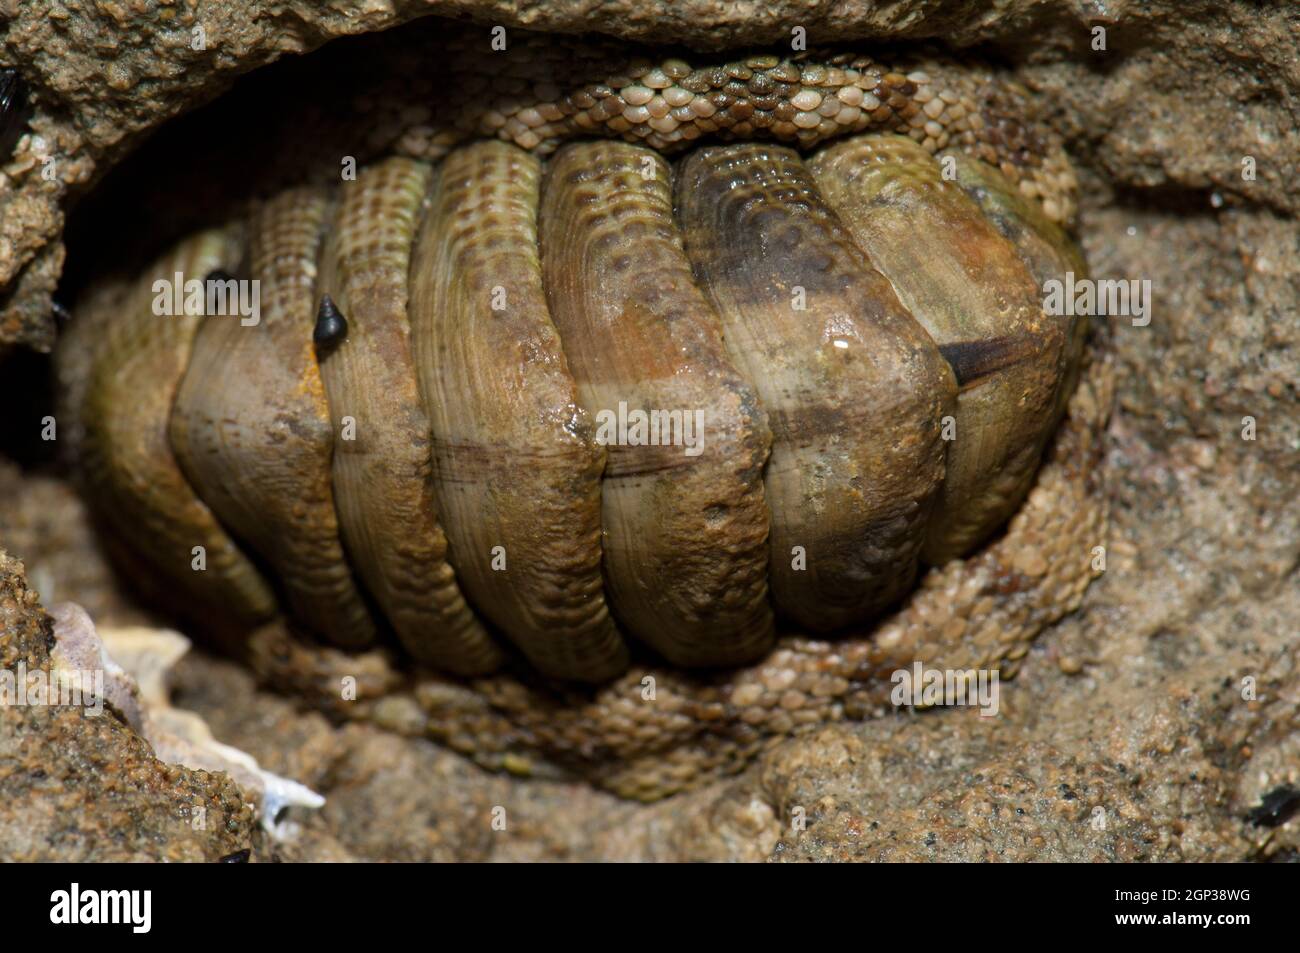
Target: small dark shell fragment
{"points": [[1276, 807], [13, 98]]}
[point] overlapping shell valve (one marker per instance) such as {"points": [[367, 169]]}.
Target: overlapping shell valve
{"points": [[848, 344]]}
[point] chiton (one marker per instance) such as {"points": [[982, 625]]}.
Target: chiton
{"points": [[660, 373]]}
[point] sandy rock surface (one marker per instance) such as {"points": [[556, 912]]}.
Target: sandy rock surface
{"points": [[1125, 736], [79, 786]]}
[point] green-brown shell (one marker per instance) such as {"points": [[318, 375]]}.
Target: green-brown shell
{"points": [[859, 329]]}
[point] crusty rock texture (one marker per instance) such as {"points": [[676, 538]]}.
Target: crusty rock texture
{"points": [[78, 786], [102, 76], [1154, 724]]}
